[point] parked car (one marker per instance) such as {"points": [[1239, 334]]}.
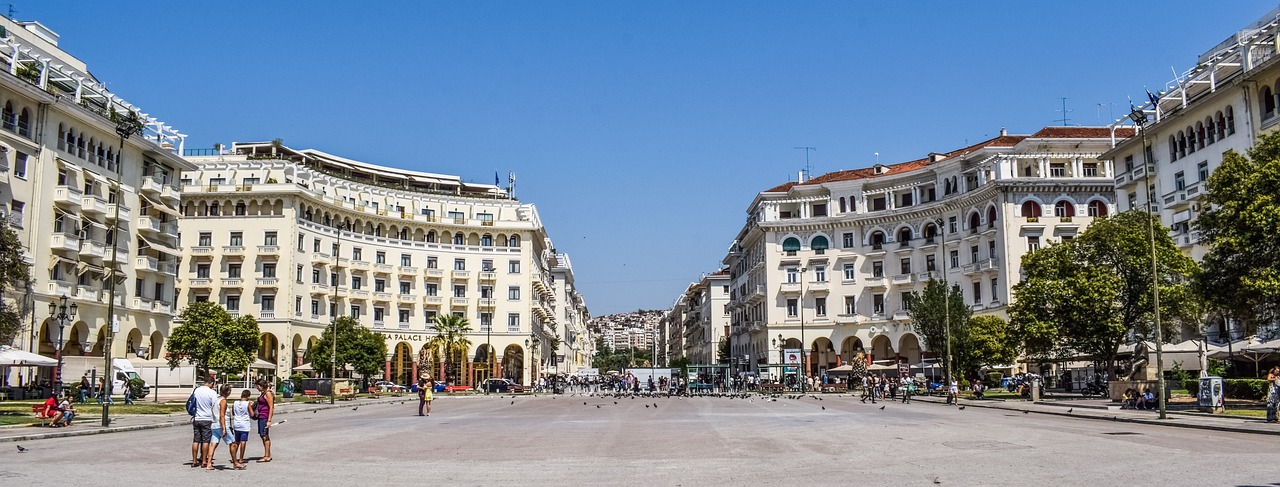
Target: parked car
{"points": [[495, 384], [388, 386]]}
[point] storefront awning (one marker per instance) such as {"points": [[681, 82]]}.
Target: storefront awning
{"points": [[162, 248]]}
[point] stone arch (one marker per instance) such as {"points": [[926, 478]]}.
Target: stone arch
{"points": [[909, 348], [156, 347], [849, 347], [513, 363], [822, 355], [133, 342], [401, 364], [268, 348], [881, 348]]}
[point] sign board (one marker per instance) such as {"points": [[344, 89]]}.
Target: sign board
{"points": [[588, 371], [904, 370], [115, 324], [791, 356]]}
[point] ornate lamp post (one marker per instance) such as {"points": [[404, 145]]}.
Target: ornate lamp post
{"points": [[1140, 119], [337, 249], [946, 297], [125, 128], [62, 312]]}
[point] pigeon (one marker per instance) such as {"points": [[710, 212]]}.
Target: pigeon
{"points": [[824, 408], [597, 406], [1070, 409], [584, 403], [646, 406], [936, 481], [513, 402], [355, 408], [615, 402], [313, 411], [1026, 412], [655, 405], [882, 408], [21, 449], [962, 408]]}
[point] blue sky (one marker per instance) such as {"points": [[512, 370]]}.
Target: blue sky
{"points": [[641, 130]]}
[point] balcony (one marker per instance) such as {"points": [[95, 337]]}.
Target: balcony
{"points": [[846, 318], [789, 287], [202, 251], [122, 256], [359, 294], [92, 249], [93, 205], [320, 258], [929, 242], [267, 315], [232, 282], [459, 302], [87, 293], [433, 273], [382, 268], [432, 300], [925, 276], [150, 224], [757, 294], [488, 303], [319, 288], [382, 296], [170, 193], [876, 249], [149, 264], [902, 279], [379, 324], [488, 276], [200, 282], [360, 264], [158, 306], [141, 303], [119, 299], [67, 196], [150, 185], [125, 212], [268, 282], [408, 270], [902, 314], [268, 250], [463, 275], [169, 268], [403, 325], [876, 281], [406, 298], [989, 264], [817, 286], [62, 241], [904, 246]]}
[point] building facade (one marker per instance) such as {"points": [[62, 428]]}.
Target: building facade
{"points": [[299, 237], [706, 318], [84, 201], [825, 265]]}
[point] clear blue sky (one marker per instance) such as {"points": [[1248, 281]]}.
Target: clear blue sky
{"points": [[641, 130]]}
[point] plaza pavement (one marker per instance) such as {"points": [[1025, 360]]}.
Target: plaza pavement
{"points": [[699, 441]]}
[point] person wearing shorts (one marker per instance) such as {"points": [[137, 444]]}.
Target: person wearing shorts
{"points": [[424, 396], [202, 424], [266, 407], [240, 424]]}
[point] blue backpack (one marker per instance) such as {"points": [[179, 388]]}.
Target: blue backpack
{"points": [[191, 405]]}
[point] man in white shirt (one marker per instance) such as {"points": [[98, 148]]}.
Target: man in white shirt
{"points": [[202, 424]]}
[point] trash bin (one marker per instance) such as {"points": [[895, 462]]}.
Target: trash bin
{"points": [[285, 388]]}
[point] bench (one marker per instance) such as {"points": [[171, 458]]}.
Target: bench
{"points": [[45, 420], [346, 393], [311, 395], [373, 391]]}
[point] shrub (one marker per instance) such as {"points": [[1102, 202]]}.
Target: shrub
{"points": [[135, 386], [993, 379], [1252, 389], [1192, 387]]}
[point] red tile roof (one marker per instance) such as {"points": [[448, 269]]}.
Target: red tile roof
{"points": [[1082, 133]]}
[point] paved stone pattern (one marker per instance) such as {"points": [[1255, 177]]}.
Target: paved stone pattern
{"points": [[699, 441]]}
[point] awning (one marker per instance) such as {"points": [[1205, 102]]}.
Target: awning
{"points": [[162, 208], [87, 267], [100, 178], [55, 260], [162, 248]]}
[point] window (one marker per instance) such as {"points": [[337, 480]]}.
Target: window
{"points": [[233, 303], [955, 259], [1057, 170], [513, 293], [1097, 208], [1203, 170], [1128, 163], [431, 289], [930, 263], [315, 245], [513, 267], [791, 245], [792, 308], [457, 216], [379, 285], [202, 271], [1090, 169], [378, 315], [850, 305], [233, 271], [877, 240], [404, 316], [819, 244], [995, 286], [877, 304], [1033, 243], [820, 274], [333, 250], [1064, 208], [973, 254], [20, 165], [205, 240], [458, 239], [847, 240], [405, 287], [1179, 181], [333, 278], [905, 266], [513, 322], [357, 282], [793, 275], [268, 303], [486, 240], [819, 209], [905, 298], [406, 260], [459, 264], [977, 292], [486, 321], [315, 276], [269, 270], [299, 274], [820, 306], [301, 238], [297, 305], [486, 265], [850, 272], [432, 263], [355, 311], [878, 204], [380, 257], [877, 269], [269, 238], [459, 291], [951, 225], [991, 249], [240, 209]]}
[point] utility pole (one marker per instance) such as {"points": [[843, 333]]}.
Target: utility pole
{"points": [[808, 168]]}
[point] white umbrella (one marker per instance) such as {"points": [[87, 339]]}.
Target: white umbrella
{"points": [[10, 356]]}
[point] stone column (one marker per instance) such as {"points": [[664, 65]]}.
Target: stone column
{"points": [[386, 375]]}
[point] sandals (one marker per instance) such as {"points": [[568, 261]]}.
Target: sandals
{"points": [[264, 460]]}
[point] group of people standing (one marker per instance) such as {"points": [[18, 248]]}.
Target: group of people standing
{"points": [[215, 420]]}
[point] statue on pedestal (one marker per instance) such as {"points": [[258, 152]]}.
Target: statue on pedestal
{"points": [[1138, 362]]}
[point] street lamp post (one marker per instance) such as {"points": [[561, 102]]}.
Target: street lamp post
{"points": [[333, 339], [782, 361], [804, 349], [946, 297], [1140, 119], [125, 128], [61, 312]]}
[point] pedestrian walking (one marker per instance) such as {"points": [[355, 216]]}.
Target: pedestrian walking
{"points": [[424, 396], [907, 385], [265, 408], [220, 432], [1273, 393], [203, 399], [953, 394], [240, 424], [85, 387]]}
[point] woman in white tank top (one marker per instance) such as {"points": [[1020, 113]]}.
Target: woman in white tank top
{"points": [[241, 422]]}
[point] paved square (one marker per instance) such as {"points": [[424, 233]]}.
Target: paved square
{"points": [[699, 441]]}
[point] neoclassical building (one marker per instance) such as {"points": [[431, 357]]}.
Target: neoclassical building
{"points": [[84, 202], [297, 237], [825, 264]]}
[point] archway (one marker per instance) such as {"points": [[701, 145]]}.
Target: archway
{"points": [[133, 343], [482, 364], [428, 366], [513, 363], [909, 348], [157, 345], [401, 364], [267, 346], [881, 348], [850, 347], [822, 356]]}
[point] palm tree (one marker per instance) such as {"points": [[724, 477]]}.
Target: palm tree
{"points": [[451, 340]]}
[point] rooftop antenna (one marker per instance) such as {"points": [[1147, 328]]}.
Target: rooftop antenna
{"points": [[877, 158], [11, 10], [808, 168], [1065, 121]]}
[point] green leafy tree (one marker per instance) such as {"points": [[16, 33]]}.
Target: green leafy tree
{"points": [[1241, 224], [451, 342], [937, 310], [211, 339], [987, 342], [723, 352], [15, 274], [1084, 296], [361, 348]]}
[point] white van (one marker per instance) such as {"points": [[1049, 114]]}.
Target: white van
{"points": [[122, 371]]}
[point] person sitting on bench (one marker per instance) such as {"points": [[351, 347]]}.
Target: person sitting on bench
{"points": [[1130, 399]]}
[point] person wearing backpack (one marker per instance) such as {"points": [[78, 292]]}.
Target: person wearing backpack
{"points": [[203, 399]]}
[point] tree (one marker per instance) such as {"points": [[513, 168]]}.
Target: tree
{"points": [[451, 342], [358, 346], [723, 352], [933, 312], [986, 343], [1241, 224], [211, 339], [15, 273], [1086, 295]]}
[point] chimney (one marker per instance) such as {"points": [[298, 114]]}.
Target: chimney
{"points": [[1003, 132], [799, 176]]}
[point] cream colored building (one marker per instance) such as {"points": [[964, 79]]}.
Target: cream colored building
{"points": [[61, 158], [295, 237], [705, 318], [825, 264], [577, 347]]}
